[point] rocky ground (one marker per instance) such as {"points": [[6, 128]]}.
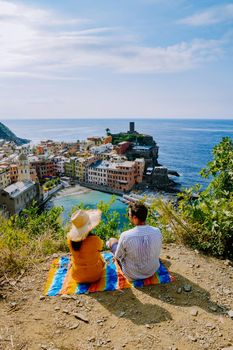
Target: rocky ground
{"points": [[195, 312]]}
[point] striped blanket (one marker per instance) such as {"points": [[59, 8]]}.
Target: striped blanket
{"points": [[60, 280]]}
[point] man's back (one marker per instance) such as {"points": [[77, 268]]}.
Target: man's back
{"points": [[138, 251]]}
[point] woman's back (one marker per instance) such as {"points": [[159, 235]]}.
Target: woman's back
{"points": [[87, 261]]}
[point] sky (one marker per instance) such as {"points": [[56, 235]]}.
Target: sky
{"points": [[116, 59]]}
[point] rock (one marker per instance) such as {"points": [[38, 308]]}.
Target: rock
{"points": [[57, 308], [55, 256], [121, 314], [42, 297], [194, 312], [187, 288], [100, 342], [99, 321], [193, 339], [179, 290], [81, 317], [197, 266], [66, 296], [65, 311], [74, 326], [13, 304], [213, 308], [149, 326], [226, 291], [229, 348], [91, 340], [230, 313], [210, 326]]}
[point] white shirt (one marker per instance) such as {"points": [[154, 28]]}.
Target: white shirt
{"points": [[138, 251]]}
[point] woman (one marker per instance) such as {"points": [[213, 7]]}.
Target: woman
{"points": [[87, 261]]}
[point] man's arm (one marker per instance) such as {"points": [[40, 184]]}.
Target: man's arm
{"points": [[120, 252]]}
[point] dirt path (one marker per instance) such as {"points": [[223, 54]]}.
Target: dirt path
{"points": [[191, 313]]}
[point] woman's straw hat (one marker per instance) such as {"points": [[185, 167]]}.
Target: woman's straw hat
{"points": [[83, 221]]}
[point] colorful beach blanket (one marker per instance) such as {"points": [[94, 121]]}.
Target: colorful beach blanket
{"points": [[60, 280]]}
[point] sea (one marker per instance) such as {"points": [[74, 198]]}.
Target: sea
{"points": [[185, 145]]}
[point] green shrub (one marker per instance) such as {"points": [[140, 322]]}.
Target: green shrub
{"points": [[204, 218], [26, 238]]}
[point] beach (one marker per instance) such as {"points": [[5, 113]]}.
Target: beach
{"points": [[73, 190]]}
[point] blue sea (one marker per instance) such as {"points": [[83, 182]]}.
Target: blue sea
{"points": [[184, 145]]}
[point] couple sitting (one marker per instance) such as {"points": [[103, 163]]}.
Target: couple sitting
{"points": [[137, 251]]}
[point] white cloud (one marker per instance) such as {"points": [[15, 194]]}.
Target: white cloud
{"points": [[214, 15], [176, 58], [31, 48]]}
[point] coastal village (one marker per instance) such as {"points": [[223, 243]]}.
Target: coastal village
{"points": [[115, 163]]}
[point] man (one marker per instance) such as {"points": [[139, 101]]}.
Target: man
{"points": [[138, 249]]}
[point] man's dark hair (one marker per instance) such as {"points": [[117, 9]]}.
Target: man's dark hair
{"points": [[139, 210]]}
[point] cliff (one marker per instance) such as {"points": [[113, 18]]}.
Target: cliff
{"points": [[190, 314], [8, 135]]}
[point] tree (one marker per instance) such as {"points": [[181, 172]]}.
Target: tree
{"points": [[204, 218], [221, 169], [211, 213]]}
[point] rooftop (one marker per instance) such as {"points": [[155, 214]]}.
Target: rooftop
{"points": [[19, 187], [111, 165]]}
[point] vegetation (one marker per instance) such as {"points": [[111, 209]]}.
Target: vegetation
{"points": [[117, 138], [48, 185], [204, 218], [27, 238]]}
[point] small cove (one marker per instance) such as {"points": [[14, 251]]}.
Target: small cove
{"points": [[88, 198]]}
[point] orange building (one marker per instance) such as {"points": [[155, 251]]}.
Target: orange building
{"points": [[108, 139], [13, 173], [120, 176]]}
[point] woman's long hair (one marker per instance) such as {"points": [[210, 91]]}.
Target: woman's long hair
{"points": [[77, 245]]}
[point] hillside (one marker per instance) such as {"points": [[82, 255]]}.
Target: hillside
{"points": [[190, 314], [8, 135]]}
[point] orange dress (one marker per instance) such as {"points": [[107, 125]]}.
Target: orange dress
{"points": [[87, 262]]}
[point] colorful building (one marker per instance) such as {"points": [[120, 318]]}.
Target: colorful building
{"points": [[5, 179], [120, 176]]}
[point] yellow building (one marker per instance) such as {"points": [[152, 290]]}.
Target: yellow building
{"points": [[5, 179], [81, 167]]}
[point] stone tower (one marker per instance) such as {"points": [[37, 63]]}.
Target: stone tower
{"points": [[131, 127], [23, 168]]}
